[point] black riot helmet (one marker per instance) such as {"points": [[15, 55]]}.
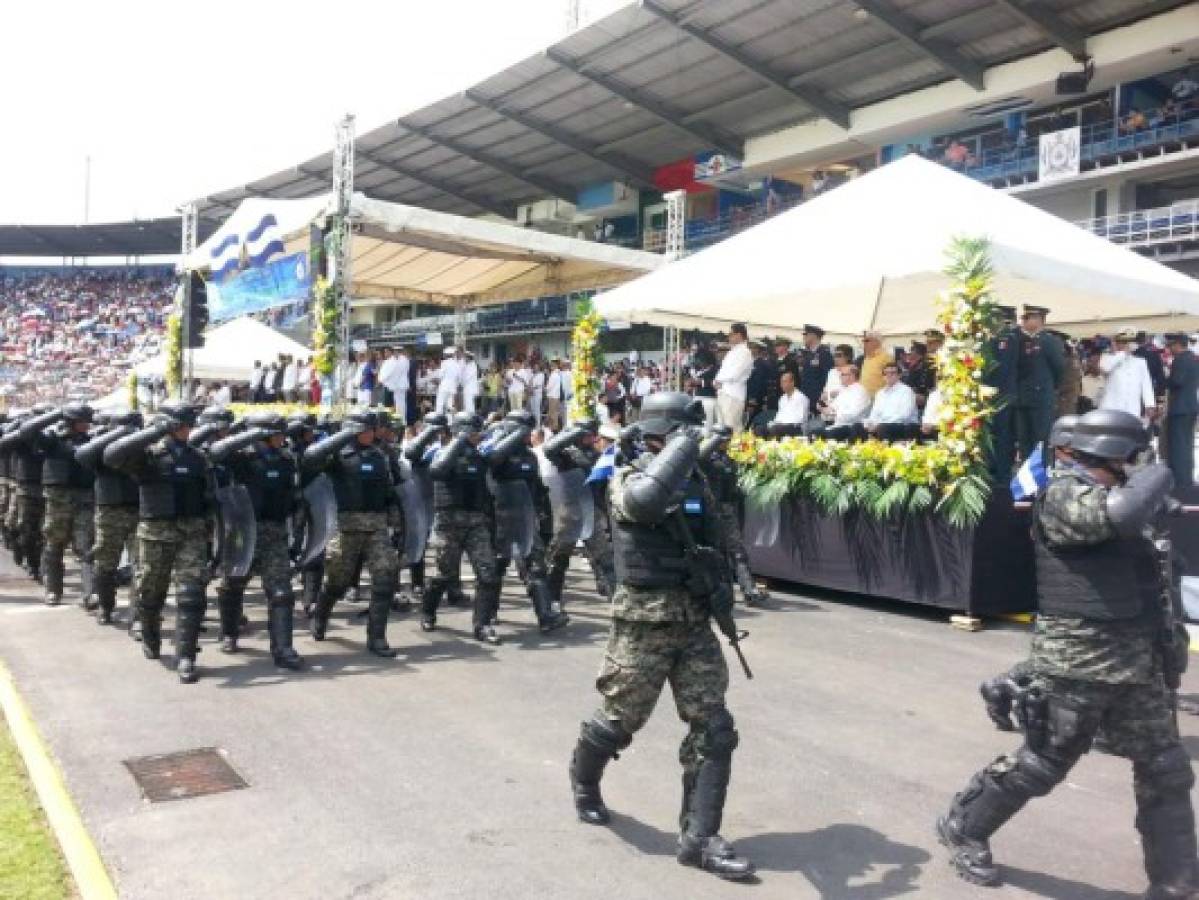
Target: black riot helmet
{"points": [[1062, 431], [383, 419], [78, 412], [130, 418], [176, 415], [663, 412], [1109, 434], [436, 420], [466, 423], [39, 408], [216, 415], [521, 417], [360, 420], [271, 422]]}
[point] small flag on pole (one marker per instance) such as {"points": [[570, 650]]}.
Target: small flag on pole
{"points": [[604, 466], [1032, 477]]}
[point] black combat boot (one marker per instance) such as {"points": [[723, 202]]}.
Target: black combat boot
{"points": [[229, 600], [700, 843], [1168, 842], [376, 623], [106, 596], [318, 619], [149, 631], [556, 580], [52, 568], [190, 605], [688, 793], [486, 606], [280, 622], [976, 814], [455, 596], [998, 694], [750, 592], [429, 602], [87, 586], [18, 550], [311, 588], [600, 741], [548, 618]]}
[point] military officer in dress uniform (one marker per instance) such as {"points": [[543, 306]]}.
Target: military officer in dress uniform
{"points": [[1038, 374], [174, 509], [815, 362], [1005, 359], [661, 631], [1106, 654]]}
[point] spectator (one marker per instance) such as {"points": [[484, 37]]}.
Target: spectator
{"points": [[732, 378], [849, 408], [642, 387], [930, 423], [614, 398], [793, 409], [1069, 389], [470, 383], [1127, 386], [1091, 390], [842, 359], [555, 395], [367, 379], [894, 415], [223, 394], [291, 380], [757, 389], [537, 392], [389, 377], [703, 381], [1182, 404], [257, 375], [518, 383], [919, 373], [1153, 359], [304, 379], [874, 357], [814, 363]]}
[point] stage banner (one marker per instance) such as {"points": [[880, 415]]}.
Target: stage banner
{"points": [[279, 282], [1060, 154]]}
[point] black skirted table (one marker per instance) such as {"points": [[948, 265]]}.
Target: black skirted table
{"points": [[985, 570]]}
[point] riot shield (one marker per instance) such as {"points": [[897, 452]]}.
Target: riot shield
{"points": [[515, 518], [237, 530], [572, 505], [418, 518], [320, 518]]}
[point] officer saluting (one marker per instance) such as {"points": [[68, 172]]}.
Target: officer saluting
{"points": [[660, 631], [1105, 653], [1042, 361]]}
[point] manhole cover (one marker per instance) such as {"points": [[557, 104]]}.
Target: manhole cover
{"points": [[181, 776]]}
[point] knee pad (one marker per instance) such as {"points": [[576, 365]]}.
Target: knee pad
{"points": [[282, 596], [607, 734], [1168, 772], [1034, 774], [191, 598], [720, 737]]}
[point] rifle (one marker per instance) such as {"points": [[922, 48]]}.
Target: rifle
{"points": [[714, 589]]}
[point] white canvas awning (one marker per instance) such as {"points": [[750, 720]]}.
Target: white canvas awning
{"points": [[407, 253], [869, 255], [230, 350]]}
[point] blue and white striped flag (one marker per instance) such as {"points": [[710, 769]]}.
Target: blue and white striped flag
{"points": [[1032, 477], [431, 451], [255, 247], [604, 467]]}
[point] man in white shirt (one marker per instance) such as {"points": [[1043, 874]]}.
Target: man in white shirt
{"points": [[518, 385], [470, 383], [449, 379], [1127, 384], [536, 392], [291, 373], [894, 416], [223, 395], [555, 395], [400, 381], [304, 382], [792, 415], [732, 378], [641, 388], [387, 376], [256, 378], [850, 407]]}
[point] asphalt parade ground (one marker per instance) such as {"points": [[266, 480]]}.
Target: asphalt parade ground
{"points": [[442, 774]]}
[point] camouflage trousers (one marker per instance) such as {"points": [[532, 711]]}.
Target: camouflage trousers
{"points": [[597, 550], [7, 493], [642, 656], [730, 522], [456, 532], [272, 564], [25, 520], [167, 547], [361, 542], [115, 529], [69, 521]]}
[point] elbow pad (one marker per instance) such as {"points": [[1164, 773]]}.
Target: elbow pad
{"points": [[222, 450], [646, 497], [1133, 505], [415, 451], [443, 462], [200, 436], [130, 447], [318, 454], [562, 441], [507, 445]]}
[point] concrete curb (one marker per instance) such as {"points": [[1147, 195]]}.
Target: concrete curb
{"points": [[83, 859]]}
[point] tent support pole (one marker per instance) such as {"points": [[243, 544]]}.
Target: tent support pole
{"points": [[878, 301], [460, 322]]}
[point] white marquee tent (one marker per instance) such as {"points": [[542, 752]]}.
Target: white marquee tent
{"points": [[869, 255], [407, 253], [230, 350]]}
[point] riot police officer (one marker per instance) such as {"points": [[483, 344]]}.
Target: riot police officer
{"points": [[418, 495], [514, 472], [28, 455], [460, 525], [116, 509], [259, 461], [174, 508], [70, 503], [1106, 653], [362, 486], [661, 631], [571, 453]]}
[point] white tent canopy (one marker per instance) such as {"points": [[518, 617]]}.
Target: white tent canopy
{"points": [[230, 350], [407, 253], [869, 255]]}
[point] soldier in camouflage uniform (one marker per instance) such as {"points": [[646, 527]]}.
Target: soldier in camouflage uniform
{"points": [[257, 459], [572, 453], [116, 509], [6, 485], [721, 473], [8, 522], [460, 525], [28, 515], [362, 485], [419, 453], [661, 631], [174, 508], [70, 503], [1102, 656]]}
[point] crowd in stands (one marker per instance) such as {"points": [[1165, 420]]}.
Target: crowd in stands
{"points": [[75, 334]]}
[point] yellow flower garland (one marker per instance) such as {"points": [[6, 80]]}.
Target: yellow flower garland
{"points": [[586, 365], [948, 476], [174, 352]]}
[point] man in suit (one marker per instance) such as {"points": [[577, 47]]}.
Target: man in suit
{"points": [[1039, 370], [815, 361], [1157, 369], [1182, 404]]}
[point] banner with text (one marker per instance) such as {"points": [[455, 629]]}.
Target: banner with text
{"points": [[279, 282]]}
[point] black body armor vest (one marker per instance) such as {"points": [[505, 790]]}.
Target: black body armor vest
{"points": [[465, 489], [270, 478], [174, 484], [361, 479], [653, 556]]}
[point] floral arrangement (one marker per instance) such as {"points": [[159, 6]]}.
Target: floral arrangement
{"points": [[586, 365], [947, 477], [131, 391], [284, 409], [324, 334], [174, 350]]}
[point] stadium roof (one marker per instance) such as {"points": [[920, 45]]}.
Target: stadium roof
{"points": [[659, 80], [141, 237]]}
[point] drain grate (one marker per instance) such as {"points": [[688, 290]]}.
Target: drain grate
{"points": [[183, 775]]}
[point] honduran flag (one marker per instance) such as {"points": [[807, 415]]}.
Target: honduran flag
{"points": [[604, 467], [1032, 477], [255, 247]]}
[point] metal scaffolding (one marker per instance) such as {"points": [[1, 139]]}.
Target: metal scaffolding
{"points": [[676, 218], [340, 240], [190, 215]]}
